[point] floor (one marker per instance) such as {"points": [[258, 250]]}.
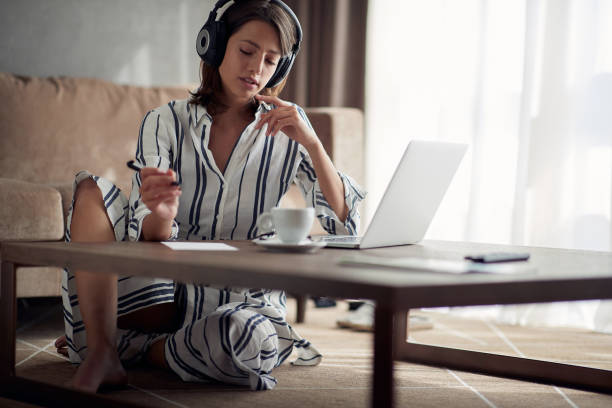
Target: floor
{"points": [[344, 376]]}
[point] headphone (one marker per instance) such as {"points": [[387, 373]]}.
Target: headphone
{"points": [[212, 41]]}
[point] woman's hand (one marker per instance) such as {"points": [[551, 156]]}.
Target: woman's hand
{"points": [[158, 193], [287, 118]]}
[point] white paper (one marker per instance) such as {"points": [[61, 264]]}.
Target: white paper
{"points": [[198, 246]]}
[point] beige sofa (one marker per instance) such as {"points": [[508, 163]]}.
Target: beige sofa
{"points": [[50, 128]]}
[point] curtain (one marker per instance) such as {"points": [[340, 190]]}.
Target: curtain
{"points": [[330, 67], [528, 85]]}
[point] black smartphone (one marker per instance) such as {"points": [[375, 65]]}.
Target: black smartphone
{"points": [[493, 257]]}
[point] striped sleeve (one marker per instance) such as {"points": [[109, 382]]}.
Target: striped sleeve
{"points": [[353, 194], [156, 143]]}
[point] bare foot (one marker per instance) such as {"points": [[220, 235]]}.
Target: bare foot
{"points": [[62, 345], [101, 368], [61, 341]]}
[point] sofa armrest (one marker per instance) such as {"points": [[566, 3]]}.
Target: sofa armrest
{"points": [[66, 190], [30, 211], [341, 131]]}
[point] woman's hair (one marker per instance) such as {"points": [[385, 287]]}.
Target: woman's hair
{"points": [[238, 14]]}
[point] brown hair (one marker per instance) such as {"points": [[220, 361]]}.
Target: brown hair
{"points": [[238, 14]]}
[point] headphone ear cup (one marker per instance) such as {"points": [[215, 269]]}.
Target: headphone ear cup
{"points": [[203, 42], [211, 43], [282, 70]]}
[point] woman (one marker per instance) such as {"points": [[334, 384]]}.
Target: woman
{"points": [[211, 165]]}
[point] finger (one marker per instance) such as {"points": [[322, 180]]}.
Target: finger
{"points": [[157, 181], [63, 351], [263, 119], [169, 199], [149, 195], [148, 172], [153, 194], [153, 190], [272, 99], [272, 116], [151, 171], [281, 124], [273, 122]]}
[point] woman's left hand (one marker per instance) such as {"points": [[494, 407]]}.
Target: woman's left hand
{"points": [[286, 118]]}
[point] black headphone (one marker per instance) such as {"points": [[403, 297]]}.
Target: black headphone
{"points": [[212, 41]]}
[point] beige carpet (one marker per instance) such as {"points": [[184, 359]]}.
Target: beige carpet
{"points": [[343, 379]]}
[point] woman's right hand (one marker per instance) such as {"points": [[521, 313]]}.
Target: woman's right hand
{"points": [[158, 193]]}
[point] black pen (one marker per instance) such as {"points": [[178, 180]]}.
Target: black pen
{"points": [[136, 167]]}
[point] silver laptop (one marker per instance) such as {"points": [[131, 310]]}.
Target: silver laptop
{"points": [[411, 199]]}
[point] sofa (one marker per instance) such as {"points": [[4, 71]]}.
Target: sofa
{"points": [[50, 128]]}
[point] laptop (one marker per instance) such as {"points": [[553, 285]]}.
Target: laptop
{"points": [[411, 198]]}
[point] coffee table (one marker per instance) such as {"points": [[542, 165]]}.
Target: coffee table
{"points": [[560, 275]]}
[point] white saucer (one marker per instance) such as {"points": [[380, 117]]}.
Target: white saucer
{"points": [[275, 244]]}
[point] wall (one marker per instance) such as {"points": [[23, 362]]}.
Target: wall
{"points": [[140, 42]]}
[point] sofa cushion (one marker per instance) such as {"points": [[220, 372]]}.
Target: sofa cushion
{"points": [[50, 128], [38, 281], [30, 211]]}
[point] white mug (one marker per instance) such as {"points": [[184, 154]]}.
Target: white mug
{"points": [[292, 225]]}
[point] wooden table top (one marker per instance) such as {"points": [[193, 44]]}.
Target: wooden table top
{"points": [[559, 274]]}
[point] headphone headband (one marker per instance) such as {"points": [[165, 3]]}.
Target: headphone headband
{"points": [[212, 41], [213, 12]]}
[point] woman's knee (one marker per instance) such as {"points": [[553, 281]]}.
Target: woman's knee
{"points": [[247, 331], [233, 346], [89, 220], [87, 193]]}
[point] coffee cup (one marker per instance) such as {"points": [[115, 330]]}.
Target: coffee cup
{"points": [[291, 225]]}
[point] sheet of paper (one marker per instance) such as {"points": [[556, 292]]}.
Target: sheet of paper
{"points": [[198, 246], [438, 265]]}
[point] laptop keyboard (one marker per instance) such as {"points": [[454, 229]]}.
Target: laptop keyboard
{"points": [[342, 238]]}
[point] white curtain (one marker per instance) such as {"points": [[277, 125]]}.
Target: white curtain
{"points": [[528, 85]]}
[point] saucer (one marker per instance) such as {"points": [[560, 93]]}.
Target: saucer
{"points": [[275, 244]]}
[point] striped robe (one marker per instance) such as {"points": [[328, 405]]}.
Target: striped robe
{"points": [[232, 335]]}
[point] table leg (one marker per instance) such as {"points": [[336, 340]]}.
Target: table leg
{"points": [[400, 333], [300, 301], [382, 393], [548, 372], [8, 317]]}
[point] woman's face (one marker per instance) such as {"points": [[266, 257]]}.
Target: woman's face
{"points": [[251, 57]]}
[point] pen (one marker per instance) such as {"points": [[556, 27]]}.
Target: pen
{"points": [[136, 167]]}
